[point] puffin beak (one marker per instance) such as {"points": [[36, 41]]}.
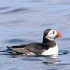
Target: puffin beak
{"points": [[58, 34]]}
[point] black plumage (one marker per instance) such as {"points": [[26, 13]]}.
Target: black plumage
{"points": [[35, 48]]}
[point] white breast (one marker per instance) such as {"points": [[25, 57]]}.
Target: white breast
{"points": [[51, 51]]}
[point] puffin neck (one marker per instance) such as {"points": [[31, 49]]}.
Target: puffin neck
{"points": [[50, 43]]}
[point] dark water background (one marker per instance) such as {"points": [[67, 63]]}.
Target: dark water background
{"points": [[23, 21]]}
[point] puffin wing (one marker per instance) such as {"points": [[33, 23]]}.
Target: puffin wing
{"points": [[20, 49], [35, 48]]}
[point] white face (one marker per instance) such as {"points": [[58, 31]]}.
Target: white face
{"points": [[51, 34]]}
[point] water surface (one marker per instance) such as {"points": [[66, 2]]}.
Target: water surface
{"points": [[23, 21]]}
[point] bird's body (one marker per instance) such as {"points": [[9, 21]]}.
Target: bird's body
{"points": [[47, 47]]}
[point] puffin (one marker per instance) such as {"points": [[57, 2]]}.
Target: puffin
{"points": [[47, 47]]}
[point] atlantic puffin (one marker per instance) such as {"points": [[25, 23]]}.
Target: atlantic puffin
{"points": [[47, 47]]}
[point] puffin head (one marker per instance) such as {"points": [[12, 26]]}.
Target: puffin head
{"points": [[51, 34]]}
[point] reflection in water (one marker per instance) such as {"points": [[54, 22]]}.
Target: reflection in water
{"points": [[51, 66], [55, 66], [52, 61]]}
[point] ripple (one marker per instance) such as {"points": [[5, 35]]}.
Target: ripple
{"points": [[63, 64], [63, 52], [67, 16], [15, 10], [67, 39], [20, 41], [3, 8], [14, 40], [16, 21], [36, 0], [32, 59], [51, 60]]}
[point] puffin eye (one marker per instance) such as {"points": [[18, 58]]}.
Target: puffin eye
{"points": [[51, 32]]}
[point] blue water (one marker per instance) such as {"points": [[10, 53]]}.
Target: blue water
{"points": [[23, 21]]}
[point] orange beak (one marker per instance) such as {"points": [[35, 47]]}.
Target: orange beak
{"points": [[59, 34]]}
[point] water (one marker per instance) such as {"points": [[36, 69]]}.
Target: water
{"points": [[23, 21]]}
